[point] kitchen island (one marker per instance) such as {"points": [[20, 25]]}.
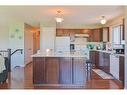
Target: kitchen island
{"points": [[59, 69]]}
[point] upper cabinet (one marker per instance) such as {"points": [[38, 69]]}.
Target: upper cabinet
{"points": [[95, 35], [118, 34], [68, 32]]}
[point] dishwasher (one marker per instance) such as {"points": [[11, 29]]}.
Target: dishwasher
{"points": [[114, 65]]}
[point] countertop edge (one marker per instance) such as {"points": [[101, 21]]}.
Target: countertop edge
{"points": [[110, 52]]}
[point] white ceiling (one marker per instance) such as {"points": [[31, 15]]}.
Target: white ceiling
{"points": [[83, 15]]}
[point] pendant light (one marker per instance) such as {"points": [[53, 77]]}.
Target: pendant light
{"points": [[59, 18], [103, 20]]}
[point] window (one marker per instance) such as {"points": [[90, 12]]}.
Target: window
{"points": [[117, 37]]}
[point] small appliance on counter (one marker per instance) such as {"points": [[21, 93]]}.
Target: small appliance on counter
{"points": [[119, 48], [99, 46], [90, 46], [104, 45], [119, 51]]}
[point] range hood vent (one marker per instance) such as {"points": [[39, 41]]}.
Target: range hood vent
{"points": [[82, 35]]}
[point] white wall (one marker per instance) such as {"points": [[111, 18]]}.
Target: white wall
{"points": [[16, 41], [4, 37]]}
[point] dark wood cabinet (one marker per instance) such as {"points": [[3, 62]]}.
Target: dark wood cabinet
{"points": [[104, 61], [101, 60], [107, 62], [97, 59], [65, 71], [72, 71], [95, 35], [94, 57], [59, 70], [52, 70], [78, 70], [39, 70], [121, 68]]}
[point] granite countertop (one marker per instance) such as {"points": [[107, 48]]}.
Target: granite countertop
{"points": [[110, 52], [67, 54]]}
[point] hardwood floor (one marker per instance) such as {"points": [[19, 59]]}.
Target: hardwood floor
{"points": [[21, 78]]}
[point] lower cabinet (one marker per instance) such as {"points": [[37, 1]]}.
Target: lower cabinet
{"points": [[39, 70], [65, 71], [72, 71], [101, 60], [78, 71], [110, 63], [94, 57], [106, 62], [61, 70], [52, 70], [121, 69]]}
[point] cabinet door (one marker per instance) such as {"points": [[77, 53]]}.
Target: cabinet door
{"points": [[52, 70], [97, 59], [79, 75], [101, 60], [91, 35], [65, 70], [107, 62], [92, 56], [39, 70], [121, 68], [97, 35]]}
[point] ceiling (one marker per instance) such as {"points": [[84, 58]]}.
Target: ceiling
{"points": [[83, 15]]}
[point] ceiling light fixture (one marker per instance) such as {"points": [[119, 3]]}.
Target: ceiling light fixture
{"points": [[103, 20], [59, 18]]}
